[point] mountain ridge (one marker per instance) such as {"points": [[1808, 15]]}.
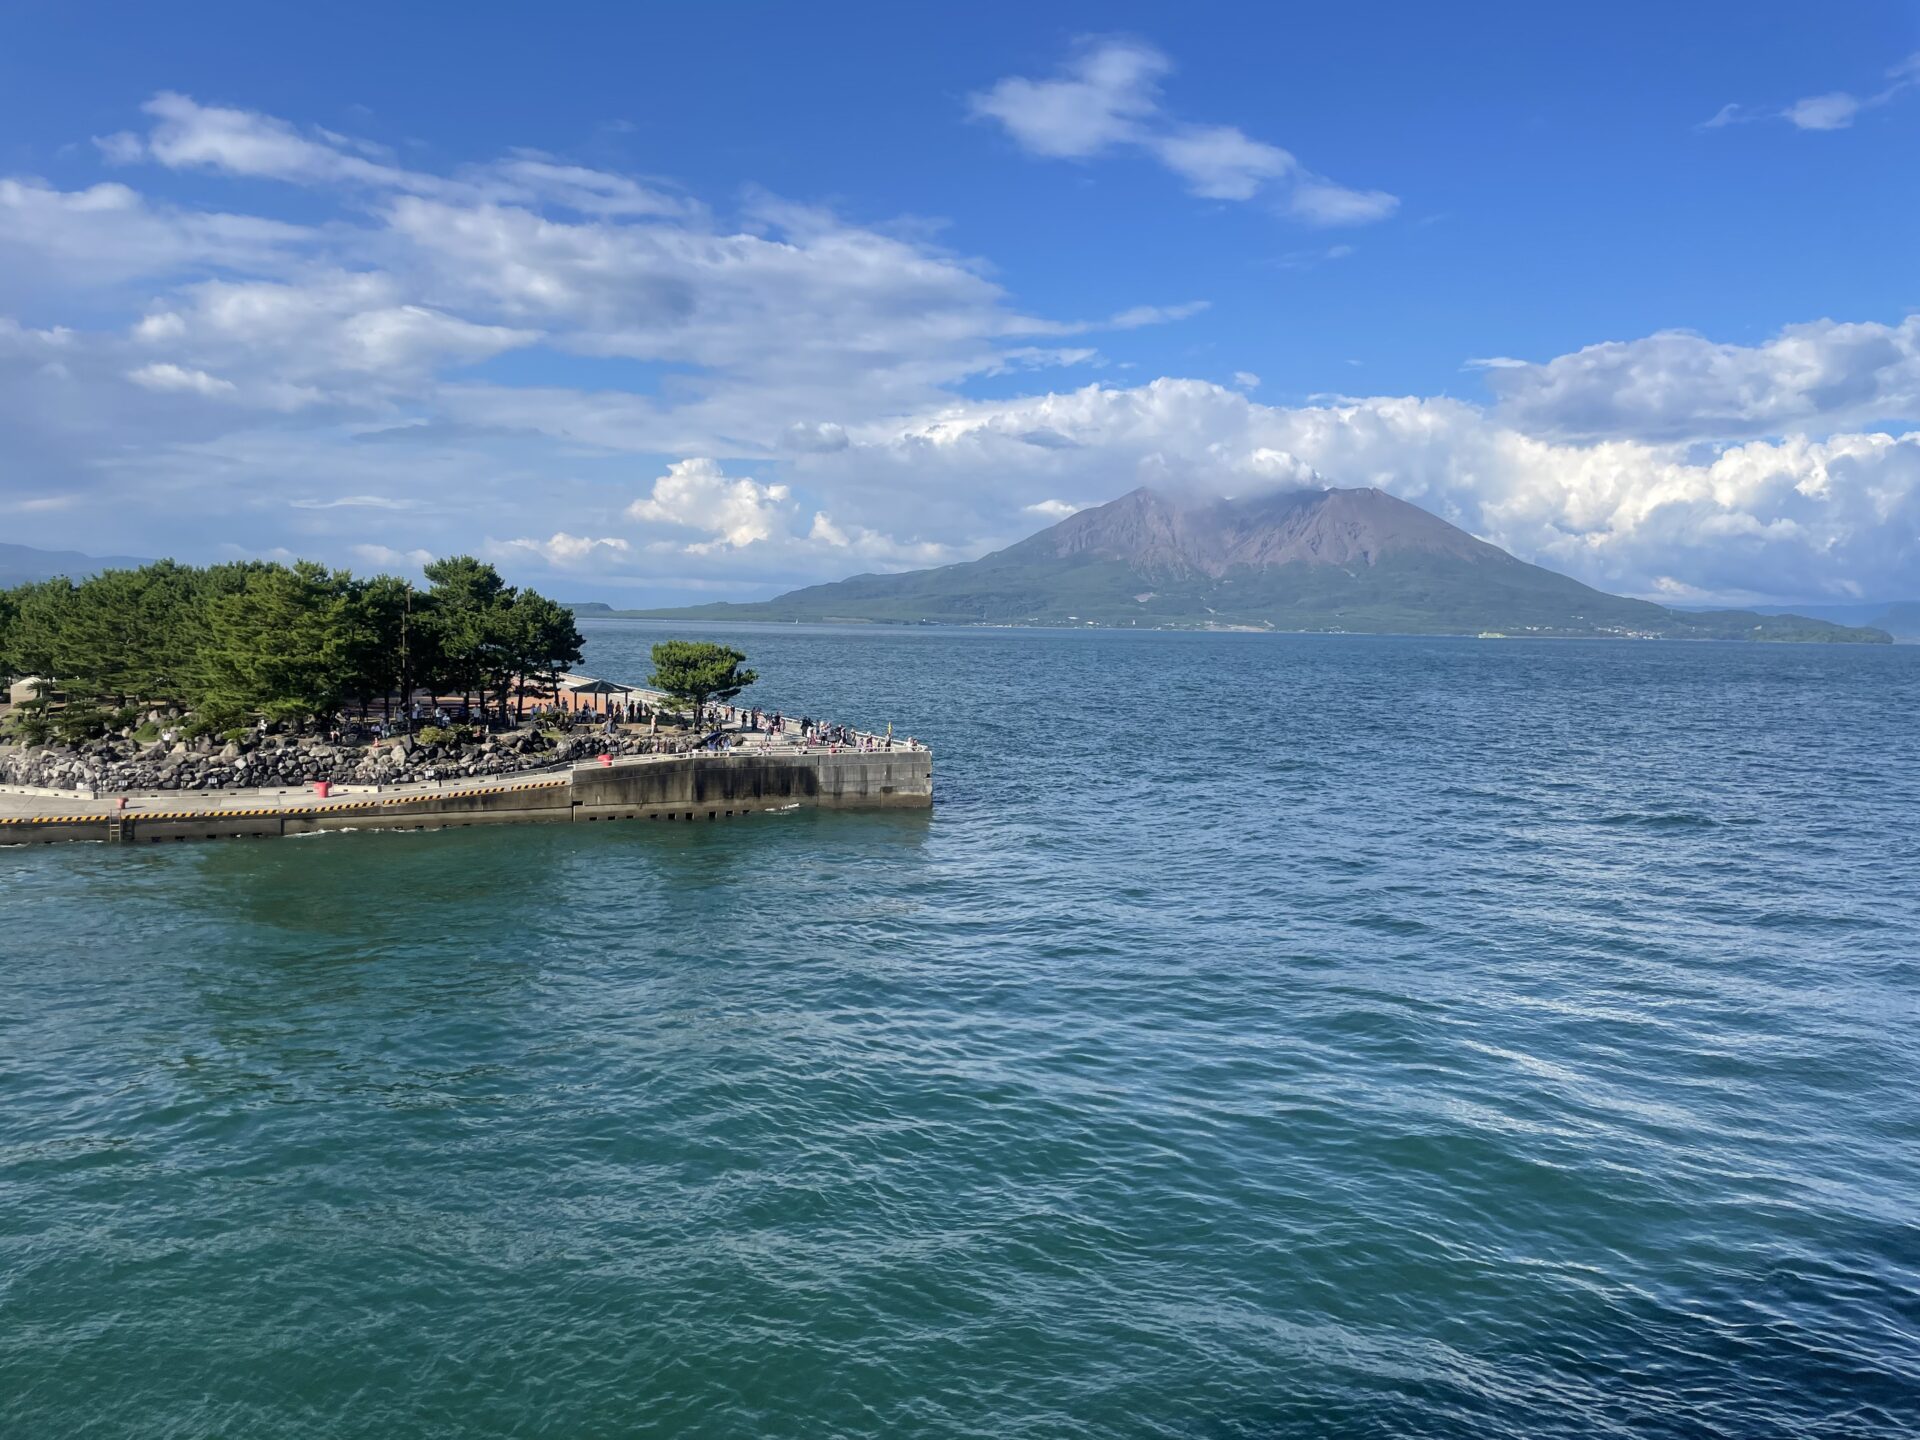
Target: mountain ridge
{"points": [[1346, 560], [22, 564]]}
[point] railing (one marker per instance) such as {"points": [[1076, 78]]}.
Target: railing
{"points": [[659, 700]]}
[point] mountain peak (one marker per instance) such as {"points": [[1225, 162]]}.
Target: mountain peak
{"points": [[1164, 534], [1345, 560]]}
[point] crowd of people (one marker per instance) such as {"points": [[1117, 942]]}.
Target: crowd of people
{"points": [[773, 727], [717, 727]]}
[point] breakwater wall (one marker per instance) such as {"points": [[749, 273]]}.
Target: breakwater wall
{"points": [[733, 785]]}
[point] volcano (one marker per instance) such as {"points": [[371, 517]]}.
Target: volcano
{"points": [[1350, 560]]}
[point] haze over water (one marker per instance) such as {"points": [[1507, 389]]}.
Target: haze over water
{"points": [[1263, 1036]]}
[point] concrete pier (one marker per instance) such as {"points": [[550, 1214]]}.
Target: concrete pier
{"points": [[729, 785]]}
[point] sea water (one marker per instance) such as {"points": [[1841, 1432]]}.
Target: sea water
{"points": [[1263, 1036]]}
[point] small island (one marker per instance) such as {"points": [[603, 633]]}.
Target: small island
{"points": [[169, 701]]}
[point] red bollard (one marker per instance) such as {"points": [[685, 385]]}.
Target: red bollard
{"points": [[606, 759], [121, 803], [321, 787]]}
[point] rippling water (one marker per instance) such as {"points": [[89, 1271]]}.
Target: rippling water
{"points": [[1265, 1036]]}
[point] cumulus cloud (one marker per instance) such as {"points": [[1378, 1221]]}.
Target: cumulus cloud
{"points": [[696, 494], [1678, 385], [1106, 97], [1793, 518], [817, 374], [740, 518], [790, 316]]}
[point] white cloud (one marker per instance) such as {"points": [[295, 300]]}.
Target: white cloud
{"points": [[1107, 96], [568, 552], [1677, 385], [355, 502], [1796, 518], [858, 542], [1834, 110], [1220, 162], [827, 361], [1245, 380], [1321, 202], [1823, 112], [1053, 509], [107, 234], [819, 436], [1142, 315], [329, 328], [387, 558], [173, 377], [696, 494], [1728, 114], [793, 315], [189, 135]]}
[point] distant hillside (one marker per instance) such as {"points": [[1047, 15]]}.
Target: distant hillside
{"points": [[1326, 560], [22, 563], [1899, 618]]}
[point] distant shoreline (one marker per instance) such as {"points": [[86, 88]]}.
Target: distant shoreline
{"points": [[682, 618]]}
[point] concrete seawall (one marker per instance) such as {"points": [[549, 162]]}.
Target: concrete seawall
{"points": [[702, 787]]}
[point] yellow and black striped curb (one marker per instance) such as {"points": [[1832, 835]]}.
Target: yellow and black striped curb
{"points": [[343, 807]]}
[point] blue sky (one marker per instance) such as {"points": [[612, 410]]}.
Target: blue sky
{"points": [[674, 301]]}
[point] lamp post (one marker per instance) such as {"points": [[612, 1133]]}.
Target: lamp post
{"points": [[406, 675]]}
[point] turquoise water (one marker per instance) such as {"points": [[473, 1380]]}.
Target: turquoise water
{"points": [[1266, 1036]]}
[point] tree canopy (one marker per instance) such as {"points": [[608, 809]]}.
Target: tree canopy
{"points": [[284, 642], [695, 672]]}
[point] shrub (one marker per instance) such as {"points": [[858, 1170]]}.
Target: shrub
{"points": [[31, 726], [213, 721], [439, 735], [79, 722], [147, 733]]}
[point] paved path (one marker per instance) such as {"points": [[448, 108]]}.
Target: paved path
{"points": [[300, 797]]}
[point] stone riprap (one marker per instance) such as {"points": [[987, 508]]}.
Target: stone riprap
{"points": [[115, 766]]}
